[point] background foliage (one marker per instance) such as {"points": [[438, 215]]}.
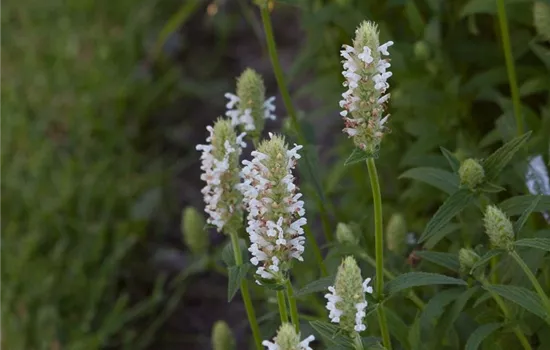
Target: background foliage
{"points": [[103, 102]]}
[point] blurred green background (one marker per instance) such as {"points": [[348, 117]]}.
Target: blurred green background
{"points": [[104, 101]]}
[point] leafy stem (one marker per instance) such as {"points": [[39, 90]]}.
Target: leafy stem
{"points": [[293, 308], [282, 306], [533, 279]]}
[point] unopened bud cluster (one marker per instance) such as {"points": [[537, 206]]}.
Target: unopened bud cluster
{"points": [[396, 234], [471, 173], [193, 232], [288, 339], [220, 166], [344, 234], [275, 211], [222, 337], [249, 108], [346, 299], [467, 258], [366, 74], [498, 227]]}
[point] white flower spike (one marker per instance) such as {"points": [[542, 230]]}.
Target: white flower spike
{"points": [[288, 339], [275, 211]]}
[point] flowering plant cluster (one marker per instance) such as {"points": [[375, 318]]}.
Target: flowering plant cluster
{"points": [[258, 203]]}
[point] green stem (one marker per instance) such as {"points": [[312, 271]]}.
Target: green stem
{"points": [[282, 306], [384, 328], [316, 250], [277, 70], [357, 342], [510, 68], [517, 331], [293, 308], [379, 250], [534, 281], [245, 293]]}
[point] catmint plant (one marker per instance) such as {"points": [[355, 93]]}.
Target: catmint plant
{"points": [[346, 301], [275, 211], [220, 166], [364, 102], [288, 339], [249, 108]]}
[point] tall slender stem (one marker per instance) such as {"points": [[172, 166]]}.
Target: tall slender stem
{"points": [[316, 250], [277, 70], [245, 293], [533, 279], [282, 306], [379, 250], [510, 68], [293, 308], [517, 330]]}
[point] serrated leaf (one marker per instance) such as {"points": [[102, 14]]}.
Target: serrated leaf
{"points": [[235, 276], [417, 279], [448, 210], [521, 296], [438, 178], [319, 285], [356, 156], [447, 260], [453, 161], [436, 306], [271, 284], [451, 317], [448, 229], [518, 225], [518, 204], [491, 188], [494, 164], [415, 335], [538, 243], [482, 332], [331, 333], [485, 259], [397, 327]]}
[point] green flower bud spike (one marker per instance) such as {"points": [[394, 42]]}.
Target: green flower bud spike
{"points": [[396, 234], [220, 166], [222, 337], [288, 339], [363, 103], [498, 227], [346, 299], [471, 173], [249, 108], [194, 235], [467, 258], [345, 235]]}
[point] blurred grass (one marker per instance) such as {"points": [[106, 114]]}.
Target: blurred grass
{"points": [[76, 196]]}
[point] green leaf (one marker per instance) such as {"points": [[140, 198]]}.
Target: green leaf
{"points": [[483, 298], [450, 208], [491, 188], [518, 225], [372, 343], [235, 276], [538, 243], [482, 332], [271, 284], [397, 327], [453, 161], [332, 333], [447, 260], [438, 178], [517, 205], [415, 335], [228, 255], [356, 156], [417, 279], [451, 316], [485, 259], [448, 229], [521, 296], [494, 164], [319, 285], [436, 306]]}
